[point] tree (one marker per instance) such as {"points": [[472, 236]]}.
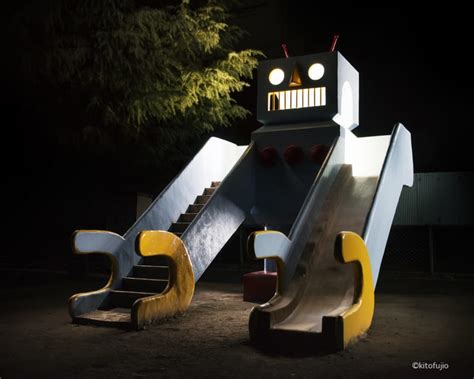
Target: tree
{"points": [[125, 71]]}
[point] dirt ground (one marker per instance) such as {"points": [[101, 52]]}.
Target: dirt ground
{"points": [[417, 320]]}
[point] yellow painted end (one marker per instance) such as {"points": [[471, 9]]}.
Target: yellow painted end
{"points": [[178, 295], [356, 320]]}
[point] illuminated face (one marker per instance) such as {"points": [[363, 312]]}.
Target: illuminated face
{"points": [[317, 87], [296, 97]]}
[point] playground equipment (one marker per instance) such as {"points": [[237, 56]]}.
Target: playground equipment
{"points": [[325, 200], [329, 264]]}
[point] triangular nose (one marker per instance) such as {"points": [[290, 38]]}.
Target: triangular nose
{"points": [[295, 80]]}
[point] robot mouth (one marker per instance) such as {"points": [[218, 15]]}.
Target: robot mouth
{"points": [[297, 98]]}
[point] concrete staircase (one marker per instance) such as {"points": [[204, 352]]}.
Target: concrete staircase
{"points": [[148, 278]]}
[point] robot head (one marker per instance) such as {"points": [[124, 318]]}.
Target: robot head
{"points": [[309, 88]]}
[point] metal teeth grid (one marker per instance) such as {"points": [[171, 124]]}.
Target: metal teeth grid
{"points": [[297, 98]]}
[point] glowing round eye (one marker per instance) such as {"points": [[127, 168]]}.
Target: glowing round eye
{"points": [[276, 76], [316, 71]]}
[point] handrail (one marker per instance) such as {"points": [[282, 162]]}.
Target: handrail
{"points": [[99, 242]]}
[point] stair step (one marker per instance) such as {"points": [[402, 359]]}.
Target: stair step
{"points": [[178, 227], [125, 299], [187, 217], [202, 199], [209, 191], [194, 208], [113, 317], [215, 184], [144, 284], [147, 271], [156, 260]]}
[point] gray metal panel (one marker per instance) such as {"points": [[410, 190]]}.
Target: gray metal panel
{"points": [[222, 215], [439, 198], [428, 190], [407, 212], [280, 190]]}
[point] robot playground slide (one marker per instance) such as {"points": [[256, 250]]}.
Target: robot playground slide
{"points": [[324, 198], [319, 299], [329, 264]]}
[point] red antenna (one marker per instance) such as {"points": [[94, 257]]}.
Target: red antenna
{"points": [[285, 49], [334, 41]]}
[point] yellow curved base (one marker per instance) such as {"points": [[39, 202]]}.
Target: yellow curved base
{"points": [[355, 321], [178, 295]]}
